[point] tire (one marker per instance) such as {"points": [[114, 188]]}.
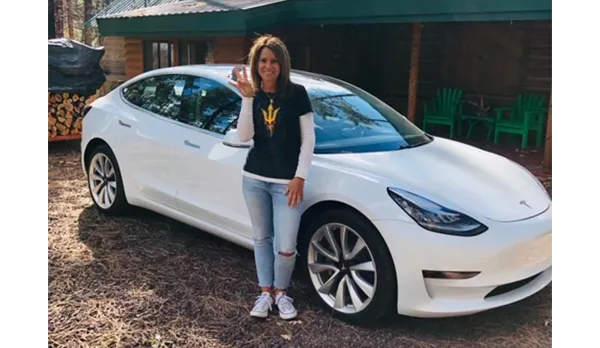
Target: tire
{"points": [[377, 306], [106, 181]]}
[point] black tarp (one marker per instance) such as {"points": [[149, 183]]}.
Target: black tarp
{"points": [[74, 66]]}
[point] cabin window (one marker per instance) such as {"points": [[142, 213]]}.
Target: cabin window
{"points": [[158, 54], [192, 52]]}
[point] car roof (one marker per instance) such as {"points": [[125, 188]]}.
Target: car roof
{"points": [[226, 70], [311, 81]]}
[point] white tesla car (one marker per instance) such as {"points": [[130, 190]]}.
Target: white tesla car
{"points": [[394, 217]]}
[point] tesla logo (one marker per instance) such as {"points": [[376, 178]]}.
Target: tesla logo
{"points": [[525, 204]]}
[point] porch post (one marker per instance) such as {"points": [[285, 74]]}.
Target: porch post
{"points": [[548, 144], [414, 70]]}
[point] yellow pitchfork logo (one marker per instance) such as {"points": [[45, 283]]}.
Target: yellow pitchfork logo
{"points": [[270, 117]]}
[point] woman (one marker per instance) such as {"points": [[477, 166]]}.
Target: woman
{"points": [[277, 115]]}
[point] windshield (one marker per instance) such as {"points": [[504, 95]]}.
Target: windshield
{"points": [[348, 119]]}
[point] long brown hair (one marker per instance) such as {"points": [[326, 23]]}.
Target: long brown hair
{"points": [[283, 58]]}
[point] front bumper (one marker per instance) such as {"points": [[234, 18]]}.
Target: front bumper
{"points": [[514, 261]]}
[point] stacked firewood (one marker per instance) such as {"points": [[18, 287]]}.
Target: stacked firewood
{"points": [[64, 113]]}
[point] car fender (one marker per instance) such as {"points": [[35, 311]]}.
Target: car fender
{"points": [[365, 194]]}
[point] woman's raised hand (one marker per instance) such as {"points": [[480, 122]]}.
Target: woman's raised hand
{"points": [[242, 83]]}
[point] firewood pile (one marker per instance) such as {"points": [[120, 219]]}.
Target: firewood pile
{"points": [[65, 113]]}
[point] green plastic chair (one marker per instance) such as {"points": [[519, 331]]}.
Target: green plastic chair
{"points": [[445, 109], [526, 116]]}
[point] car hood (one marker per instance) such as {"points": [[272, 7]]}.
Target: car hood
{"points": [[455, 175]]}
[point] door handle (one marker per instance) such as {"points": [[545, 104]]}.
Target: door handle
{"points": [[191, 144], [124, 124]]}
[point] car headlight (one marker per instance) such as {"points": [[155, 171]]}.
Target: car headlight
{"points": [[433, 217]]}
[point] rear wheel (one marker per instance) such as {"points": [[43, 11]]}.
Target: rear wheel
{"points": [[105, 183], [348, 266]]}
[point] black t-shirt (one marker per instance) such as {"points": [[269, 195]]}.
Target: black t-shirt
{"points": [[277, 134]]}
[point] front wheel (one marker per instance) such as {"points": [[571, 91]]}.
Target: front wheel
{"points": [[348, 266]]}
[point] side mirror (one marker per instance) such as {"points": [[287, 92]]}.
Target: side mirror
{"points": [[233, 140]]}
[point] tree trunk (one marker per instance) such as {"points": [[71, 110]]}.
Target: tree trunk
{"points": [[58, 18], [51, 23], [70, 24], [88, 13]]}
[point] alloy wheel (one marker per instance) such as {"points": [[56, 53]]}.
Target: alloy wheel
{"points": [[342, 268], [102, 180]]}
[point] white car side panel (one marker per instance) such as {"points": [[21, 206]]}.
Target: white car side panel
{"points": [[328, 182], [205, 226], [148, 152], [145, 152], [208, 174], [225, 192], [97, 124]]}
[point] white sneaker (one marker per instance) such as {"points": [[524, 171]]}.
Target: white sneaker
{"points": [[262, 306], [285, 306]]}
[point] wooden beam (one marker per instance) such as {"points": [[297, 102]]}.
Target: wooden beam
{"points": [[175, 52], [548, 145], [414, 71]]}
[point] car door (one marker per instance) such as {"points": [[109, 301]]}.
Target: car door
{"points": [[209, 173], [152, 136]]}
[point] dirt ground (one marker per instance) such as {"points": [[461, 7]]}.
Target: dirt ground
{"points": [[147, 281]]}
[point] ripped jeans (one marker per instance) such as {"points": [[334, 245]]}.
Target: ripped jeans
{"points": [[275, 230]]}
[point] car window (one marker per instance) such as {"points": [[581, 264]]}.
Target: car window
{"points": [[161, 94], [210, 105]]}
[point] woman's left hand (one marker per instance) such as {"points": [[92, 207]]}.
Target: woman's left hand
{"points": [[295, 192]]}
